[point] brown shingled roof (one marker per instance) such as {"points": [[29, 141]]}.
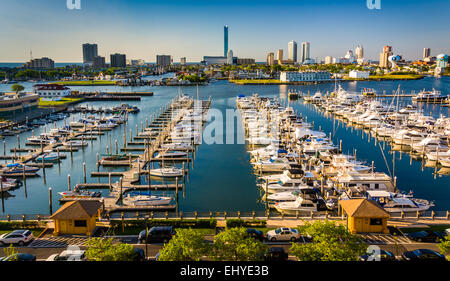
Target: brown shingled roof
{"points": [[363, 208], [80, 209]]}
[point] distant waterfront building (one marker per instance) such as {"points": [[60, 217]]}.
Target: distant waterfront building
{"points": [[359, 74], [442, 60], [164, 60], [359, 52], [42, 63], [304, 76], [292, 51], [241, 61], [183, 61], [304, 52], [51, 91], [99, 62], [309, 61], [209, 60], [349, 56], [271, 59], [138, 62], [328, 60], [384, 56], [90, 51], [12, 103], [230, 57], [426, 53], [225, 40], [118, 60], [280, 55]]}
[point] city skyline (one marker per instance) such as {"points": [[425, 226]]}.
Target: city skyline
{"points": [[122, 28]]}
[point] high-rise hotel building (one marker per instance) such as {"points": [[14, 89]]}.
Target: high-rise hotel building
{"points": [[305, 52], [90, 51], [292, 51], [387, 51], [225, 40]]}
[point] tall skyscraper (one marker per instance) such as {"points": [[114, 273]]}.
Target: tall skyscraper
{"points": [[164, 60], [280, 55], [359, 51], [230, 57], [292, 51], [328, 60], [225, 40], [118, 60], [99, 62], [271, 59], [426, 52], [183, 61], [387, 51], [305, 51], [90, 51]]}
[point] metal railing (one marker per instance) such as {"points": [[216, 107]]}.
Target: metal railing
{"points": [[428, 215]]}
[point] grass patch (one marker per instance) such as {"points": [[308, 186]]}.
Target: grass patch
{"points": [[35, 232], [134, 230], [88, 83], [63, 101]]}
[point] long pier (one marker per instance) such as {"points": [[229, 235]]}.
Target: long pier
{"points": [[163, 124]]}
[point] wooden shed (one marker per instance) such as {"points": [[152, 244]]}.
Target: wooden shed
{"points": [[76, 217], [365, 216]]}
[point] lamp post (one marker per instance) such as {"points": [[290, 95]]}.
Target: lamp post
{"points": [[146, 237]]}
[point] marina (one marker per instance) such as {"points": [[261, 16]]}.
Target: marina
{"points": [[131, 138]]}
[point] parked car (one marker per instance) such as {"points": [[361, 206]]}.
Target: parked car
{"points": [[20, 237], [276, 254], [139, 254], [19, 257], [68, 255], [447, 231], [283, 234], [422, 254], [157, 234], [257, 234], [382, 255], [426, 236]]}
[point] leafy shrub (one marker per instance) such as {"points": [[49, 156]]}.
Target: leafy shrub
{"points": [[185, 223], [245, 223]]}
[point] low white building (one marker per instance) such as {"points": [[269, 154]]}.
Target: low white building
{"points": [[359, 74], [52, 91], [305, 76]]}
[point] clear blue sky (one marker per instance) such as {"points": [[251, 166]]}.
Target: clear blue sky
{"points": [[142, 29]]}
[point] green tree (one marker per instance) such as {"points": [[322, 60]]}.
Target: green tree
{"points": [[331, 242], [11, 251], [99, 249], [444, 246], [17, 88], [234, 244], [186, 245]]}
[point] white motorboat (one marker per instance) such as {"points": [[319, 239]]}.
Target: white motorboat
{"points": [[146, 200], [75, 143], [397, 203], [300, 205], [171, 154], [168, 172]]}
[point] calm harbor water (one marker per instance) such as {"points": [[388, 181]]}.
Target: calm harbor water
{"points": [[222, 178]]}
